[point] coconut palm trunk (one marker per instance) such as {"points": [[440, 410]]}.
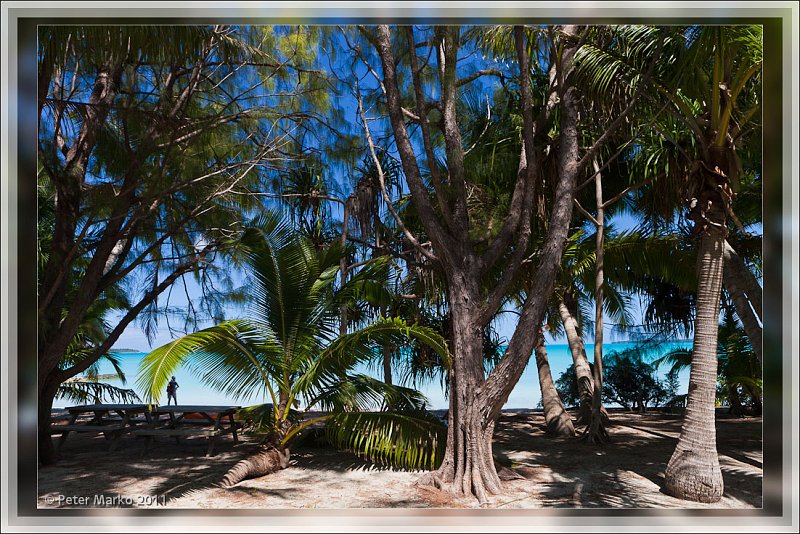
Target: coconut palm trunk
{"points": [[583, 372], [387, 364], [596, 431], [693, 472], [263, 463], [746, 295], [557, 420]]}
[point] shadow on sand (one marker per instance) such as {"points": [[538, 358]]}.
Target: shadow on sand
{"points": [[628, 472]]}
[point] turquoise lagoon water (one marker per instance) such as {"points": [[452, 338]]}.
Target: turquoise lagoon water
{"points": [[525, 394]]}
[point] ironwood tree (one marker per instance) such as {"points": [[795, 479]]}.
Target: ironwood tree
{"points": [[467, 255], [149, 138]]}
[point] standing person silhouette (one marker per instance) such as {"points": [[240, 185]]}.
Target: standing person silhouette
{"points": [[172, 391]]}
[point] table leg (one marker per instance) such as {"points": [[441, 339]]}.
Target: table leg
{"points": [[233, 429], [174, 424], [64, 434], [212, 439], [98, 417], [117, 434]]}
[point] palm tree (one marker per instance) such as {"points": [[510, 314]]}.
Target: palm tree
{"points": [[695, 149], [733, 57], [290, 349], [571, 302], [738, 370], [557, 420]]}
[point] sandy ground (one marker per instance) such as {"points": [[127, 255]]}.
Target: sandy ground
{"points": [[626, 473]]}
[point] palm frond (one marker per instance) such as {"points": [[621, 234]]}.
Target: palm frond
{"points": [[95, 393], [678, 360], [363, 393], [234, 356], [411, 441], [361, 346]]}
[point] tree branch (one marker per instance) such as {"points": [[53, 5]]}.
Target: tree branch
{"points": [[500, 381], [524, 186], [528, 178], [382, 181], [419, 192], [433, 166], [585, 213], [475, 75], [448, 50], [624, 192], [145, 301]]}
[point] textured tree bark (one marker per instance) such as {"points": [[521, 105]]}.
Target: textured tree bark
{"points": [[693, 472], [263, 463], [468, 465], [583, 372], [557, 420], [743, 288], [742, 278], [476, 401], [47, 451]]}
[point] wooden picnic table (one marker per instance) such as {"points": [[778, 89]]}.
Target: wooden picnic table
{"points": [[213, 421], [112, 427]]}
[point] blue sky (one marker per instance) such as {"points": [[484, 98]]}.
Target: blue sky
{"points": [[134, 338]]}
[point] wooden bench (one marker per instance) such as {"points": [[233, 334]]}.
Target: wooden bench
{"points": [[91, 428], [108, 432], [131, 420], [176, 432], [111, 420], [197, 422], [210, 434]]}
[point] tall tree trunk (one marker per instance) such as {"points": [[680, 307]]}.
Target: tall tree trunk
{"points": [[47, 451], [343, 268], [55, 330], [742, 278], [693, 472], [468, 465], [387, 364], [475, 400], [557, 420], [596, 431], [583, 372], [743, 288]]}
